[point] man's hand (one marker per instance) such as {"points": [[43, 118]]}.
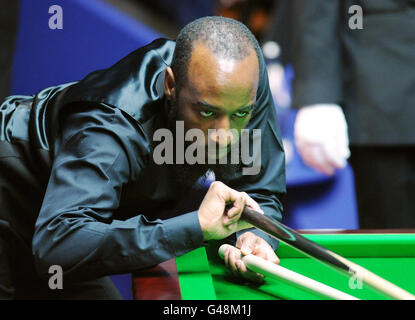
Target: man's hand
{"points": [[320, 133], [214, 221], [249, 243]]}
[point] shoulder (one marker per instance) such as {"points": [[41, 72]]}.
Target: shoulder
{"points": [[264, 101], [93, 126], [129, 84]]}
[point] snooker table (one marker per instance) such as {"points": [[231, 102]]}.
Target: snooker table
{"points": [[201, 275]]}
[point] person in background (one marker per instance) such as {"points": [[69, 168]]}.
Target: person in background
{"points": [[355, 93]]}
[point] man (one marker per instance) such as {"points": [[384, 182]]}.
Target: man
{"points": [[80, 184], [357, 57]]}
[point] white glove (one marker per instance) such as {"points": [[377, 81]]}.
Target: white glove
{"points": [[320, 133]]}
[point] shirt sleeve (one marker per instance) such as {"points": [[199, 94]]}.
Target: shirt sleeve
{"points": [[268, 185], [99, 151]]}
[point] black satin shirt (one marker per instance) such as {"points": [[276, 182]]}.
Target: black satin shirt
{"points": [[100, 212]]}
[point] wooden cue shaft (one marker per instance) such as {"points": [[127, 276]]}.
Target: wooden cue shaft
{"points": [[281, 232], [273, 270]]}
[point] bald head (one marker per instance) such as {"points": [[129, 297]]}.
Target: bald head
{"points": [[226, 39], [226, 81]]}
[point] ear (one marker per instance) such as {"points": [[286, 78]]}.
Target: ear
{"points": [[169, 84]]}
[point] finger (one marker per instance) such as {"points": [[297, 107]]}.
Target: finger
{"points": [[263, 250], [312, 157], [232, 262], [236, 208], [234, 213], [342, 146], [274, 258], [226, 257], [333, 156], [260, 251], [228, 195], [252, 203], [247, 244], [242, 238], [220, 191], [247, 274], [269, 255], [342, 140], [321, 161], [315, 157]]}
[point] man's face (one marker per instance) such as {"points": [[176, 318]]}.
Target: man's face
{"points": [[219, 94]]}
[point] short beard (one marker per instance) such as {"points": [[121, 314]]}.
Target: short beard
{"points": [[187, 176]]}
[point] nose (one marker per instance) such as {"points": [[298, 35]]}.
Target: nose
{"points": [[222, 135]]}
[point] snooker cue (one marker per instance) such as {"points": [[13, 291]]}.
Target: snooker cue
{"points": [[273, 270], [281, 232]]}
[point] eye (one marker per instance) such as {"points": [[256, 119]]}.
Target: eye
{"points": [[241, 114], [206, 114]]}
